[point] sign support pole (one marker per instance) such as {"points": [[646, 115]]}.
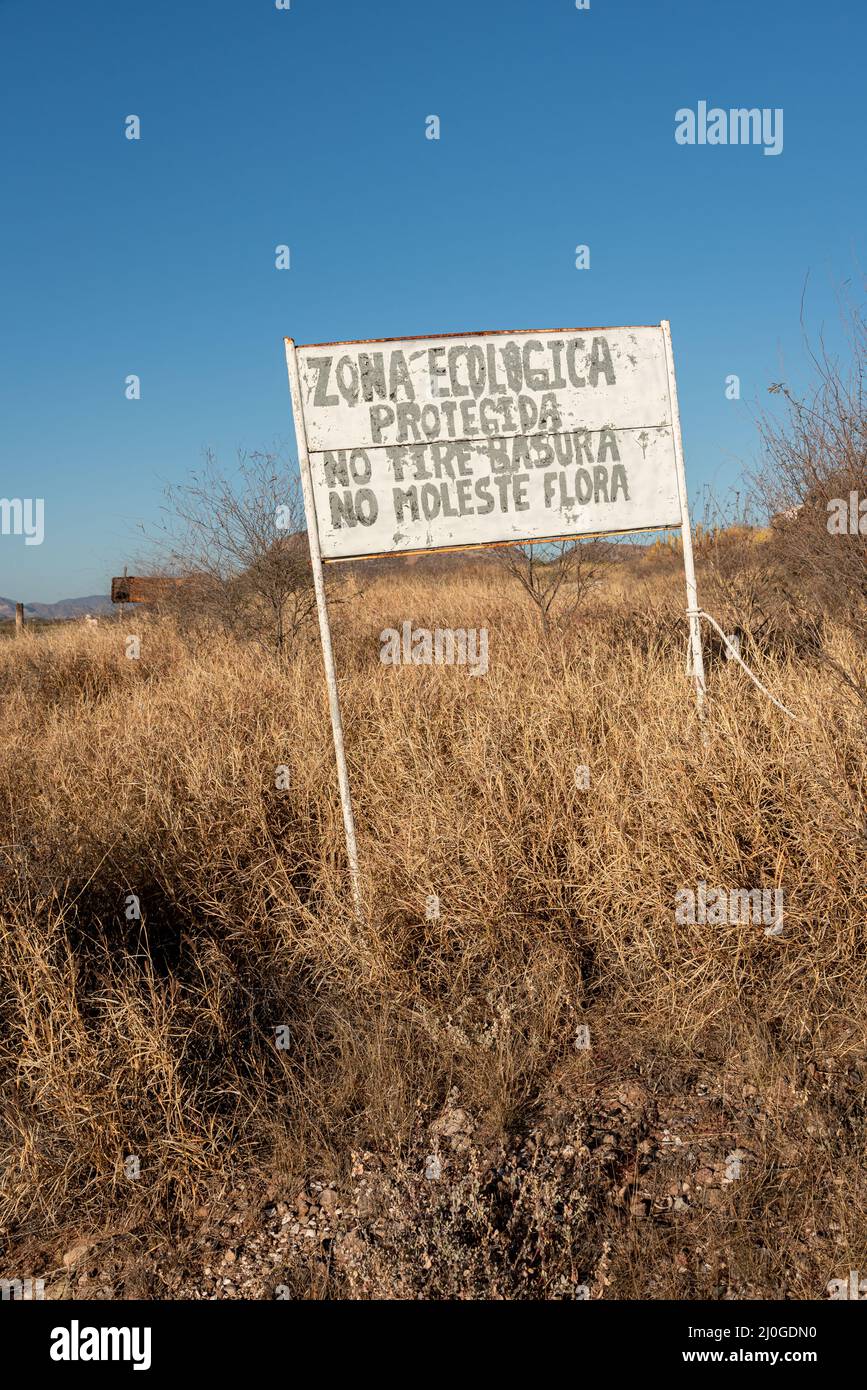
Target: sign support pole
{"points": [[692, 608], [324, 626]]}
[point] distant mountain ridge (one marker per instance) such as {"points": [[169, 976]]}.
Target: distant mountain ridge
{"points": [[64, 608]]}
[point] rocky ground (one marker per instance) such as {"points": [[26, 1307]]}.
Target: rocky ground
{"points": [[673, 1180]]}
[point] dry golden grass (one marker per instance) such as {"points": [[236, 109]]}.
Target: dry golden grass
{"points": [[157, 1037]]}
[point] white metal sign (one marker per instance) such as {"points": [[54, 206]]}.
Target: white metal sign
{"points": [[446, 442], [435, 443]]}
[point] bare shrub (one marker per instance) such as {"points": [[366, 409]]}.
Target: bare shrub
{"points": [[240, 542], [556, 576], [815, 459]]}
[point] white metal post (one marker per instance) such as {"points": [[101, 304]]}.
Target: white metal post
{"points": [[324, 627], [685, 530]]}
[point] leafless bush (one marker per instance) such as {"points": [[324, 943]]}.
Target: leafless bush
{"points": [[554, 575], [240, 542], [815, 467]]}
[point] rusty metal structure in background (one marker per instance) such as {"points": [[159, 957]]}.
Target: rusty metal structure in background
{"points": [[132, 588]]}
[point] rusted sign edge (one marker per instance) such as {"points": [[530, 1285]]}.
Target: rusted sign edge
{"points": [[496, 545], [483, 333]]}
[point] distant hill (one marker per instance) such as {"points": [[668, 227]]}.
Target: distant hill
{"points": [[64, 608]]}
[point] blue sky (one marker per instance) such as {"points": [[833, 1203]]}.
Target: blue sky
{"points": [[307, 127]]}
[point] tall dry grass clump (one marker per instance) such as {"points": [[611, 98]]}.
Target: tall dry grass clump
{"points": [[148, 787]]}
